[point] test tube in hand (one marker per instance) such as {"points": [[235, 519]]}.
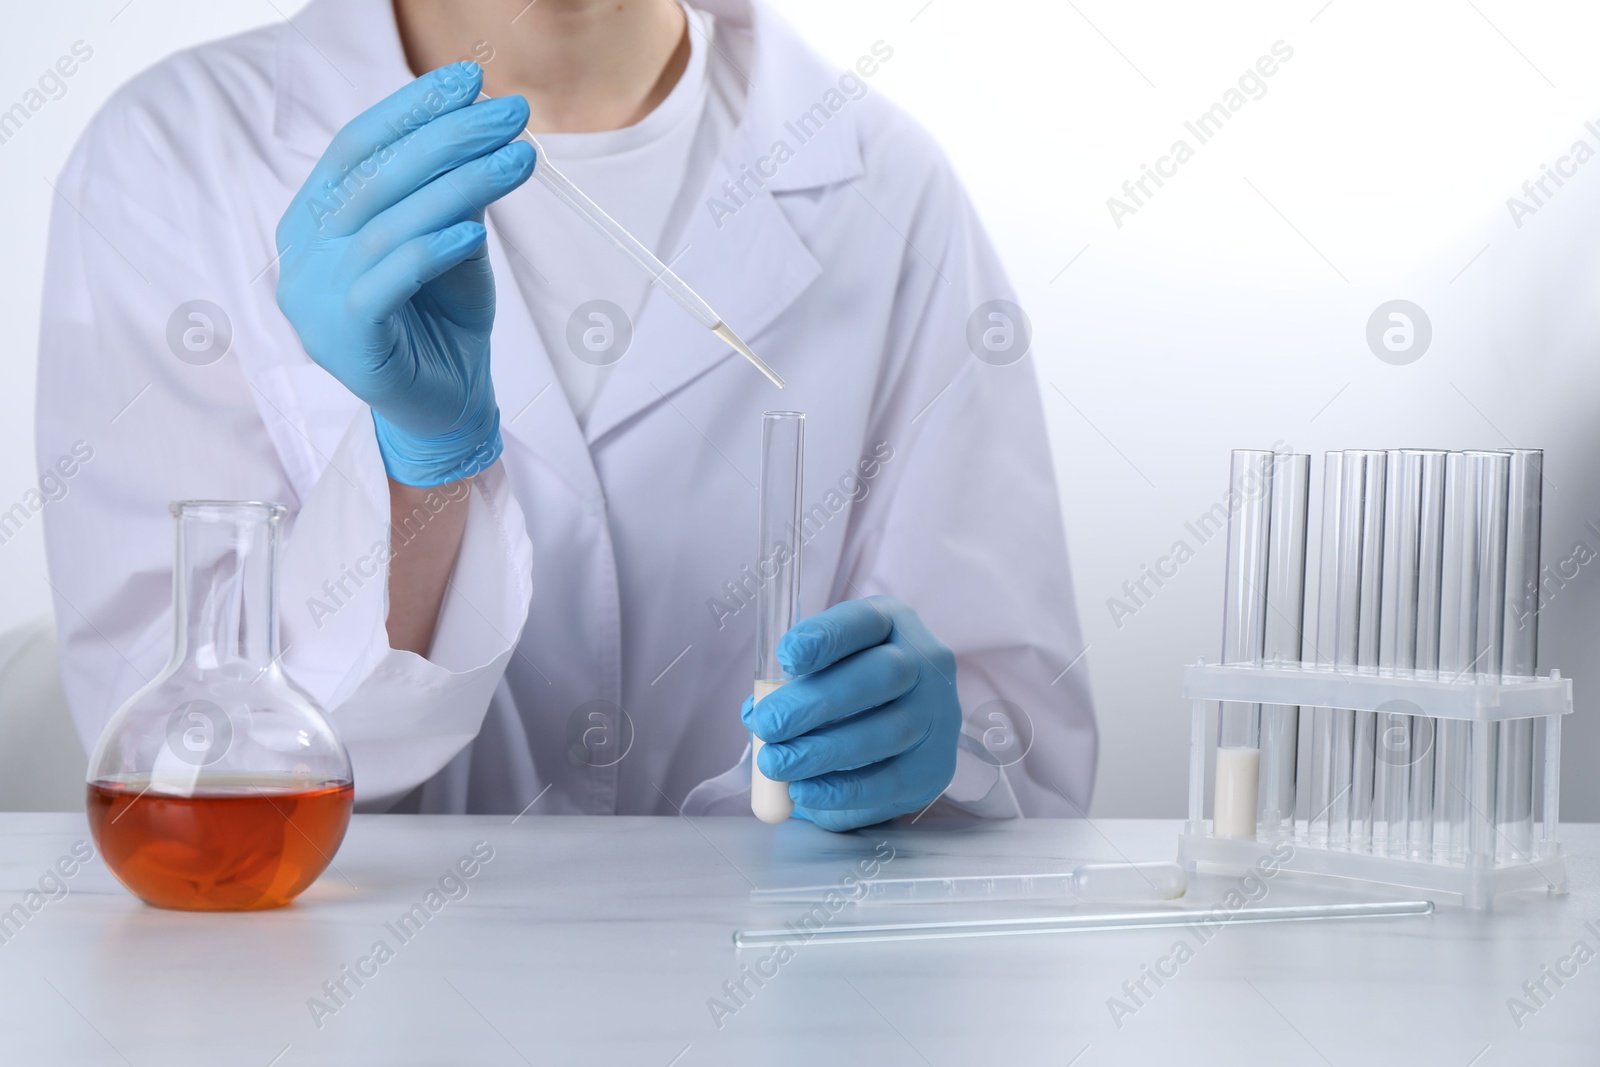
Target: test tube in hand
{"points": [[783, 435]]}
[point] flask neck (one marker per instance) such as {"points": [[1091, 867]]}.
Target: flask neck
{"points": [[225, 611]]}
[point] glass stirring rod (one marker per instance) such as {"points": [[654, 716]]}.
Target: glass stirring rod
{"points": [[662, 275], [1089, 883], [853, 933]]}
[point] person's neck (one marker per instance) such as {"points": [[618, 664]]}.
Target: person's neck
{"points": [[583, 65]]}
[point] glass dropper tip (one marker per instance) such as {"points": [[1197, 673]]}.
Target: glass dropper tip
{"points": [[737, 344]]}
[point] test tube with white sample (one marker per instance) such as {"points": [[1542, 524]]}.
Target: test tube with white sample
{"points": [[783, 435], [1244, 612]]}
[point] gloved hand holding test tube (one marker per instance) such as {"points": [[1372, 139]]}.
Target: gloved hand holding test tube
{"points": [[569, 194], [854, 718]]}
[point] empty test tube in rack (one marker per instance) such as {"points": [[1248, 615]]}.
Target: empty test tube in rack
{"points": [[1363, 724], [1346, 632], [1283, 638], [1399, 628], [1424, 728], [1472, 606], [1513, 812], [1318, 776]]}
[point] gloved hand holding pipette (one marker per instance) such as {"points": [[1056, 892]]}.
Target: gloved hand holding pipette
{"points": [[385, 275], [867, 728]]}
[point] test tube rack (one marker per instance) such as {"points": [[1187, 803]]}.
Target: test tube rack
{"points": [[1491, 864], [1399, 732]]}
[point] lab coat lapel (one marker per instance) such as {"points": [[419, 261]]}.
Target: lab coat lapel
{"points": [[336, 58], [738, 250]]}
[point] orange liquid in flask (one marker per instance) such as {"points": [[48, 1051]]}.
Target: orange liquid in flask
{"points": [[231, 846]]}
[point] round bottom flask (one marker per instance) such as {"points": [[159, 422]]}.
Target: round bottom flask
{"points": [[220, 786]]}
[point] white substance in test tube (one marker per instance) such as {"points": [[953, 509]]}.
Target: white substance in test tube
{"points": [[768, 799], [1234, 807]]}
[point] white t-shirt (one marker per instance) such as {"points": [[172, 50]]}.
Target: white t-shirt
{"points": [[647, 177]]}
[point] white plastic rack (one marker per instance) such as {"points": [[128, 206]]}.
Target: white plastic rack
{"points": [[1494, 859]]}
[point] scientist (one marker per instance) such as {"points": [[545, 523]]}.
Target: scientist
{"points": [[520, 564]]}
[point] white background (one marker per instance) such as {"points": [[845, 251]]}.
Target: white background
{"points": [[1230, 311]]}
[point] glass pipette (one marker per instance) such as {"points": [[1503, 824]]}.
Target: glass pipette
{"points": [[1066, 924], [661, 274], [1089, 883]]}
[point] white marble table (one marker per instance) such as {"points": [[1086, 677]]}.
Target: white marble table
{"points": [[593, 940]]}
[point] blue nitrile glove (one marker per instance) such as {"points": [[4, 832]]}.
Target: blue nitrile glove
{"points": [[385, 275], [867, 728]]}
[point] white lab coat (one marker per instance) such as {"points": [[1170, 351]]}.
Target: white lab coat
{"points": [[594, 559]]}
